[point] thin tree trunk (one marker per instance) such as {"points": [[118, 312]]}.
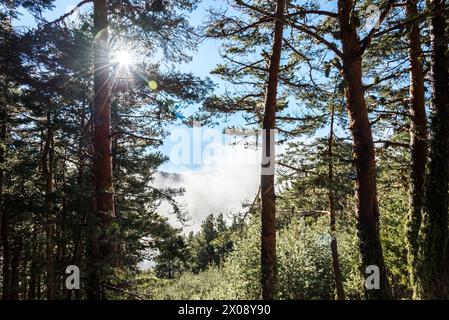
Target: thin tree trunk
{"points": [[38, 285], [334, 246], [15, 262], [82, 210], [268, 248], [434, 272], [6, 275], [418, 140], [24, 273], [367, 209], [33, 268], [4, 227], [47, 167]]}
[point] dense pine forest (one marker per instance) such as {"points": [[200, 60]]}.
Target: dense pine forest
{"points": [[343, 106]]}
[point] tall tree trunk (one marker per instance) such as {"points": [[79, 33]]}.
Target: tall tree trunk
{"points": [[102, 117], [268, 248], [33, 268], [82, 210], [6, 275], [24, 273], [433, 282], [367, 209], [38, 285], [48, 173], [418, 140], [15, 262], [334, 246], [4, 227], [104, 195]]}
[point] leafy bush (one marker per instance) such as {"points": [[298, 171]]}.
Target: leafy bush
{"points": [[304, 266]]}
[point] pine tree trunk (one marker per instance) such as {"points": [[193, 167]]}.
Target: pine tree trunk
{"points": [[334, 245], [433, 282], [82, 211], [15, 262], [38, 285], [268, 248], [4, 226], [47, 167], [24, 273], [6, 275], [103, 223], [418, 140], [367, 209], [102, 116], [33, 268]]}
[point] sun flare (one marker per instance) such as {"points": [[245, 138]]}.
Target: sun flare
{"points": [[122, 57]]}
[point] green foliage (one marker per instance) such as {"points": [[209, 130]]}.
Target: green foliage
{"points": [[211, 245], [304, 266]]}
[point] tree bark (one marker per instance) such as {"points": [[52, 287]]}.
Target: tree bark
{"points": [[418, 141], [433, 282], [6, 275], [23, 270], [367, 209], [102, 116], [334, 245], [102, 163], [15, 262], [33, 268], [4, 227], [82, 210], [38, 285], [268, 243], [48, 173]]}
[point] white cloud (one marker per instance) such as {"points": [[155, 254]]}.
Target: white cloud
{"points": [[223, 183], [227, 176]]}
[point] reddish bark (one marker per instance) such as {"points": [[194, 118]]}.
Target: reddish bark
{"points": [[102, 246], [48, 173], [367, 209], [418, 139], [434, 274], [268, 248]]}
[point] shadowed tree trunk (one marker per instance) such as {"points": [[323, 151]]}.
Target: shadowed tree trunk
{"points": [[418, 140], [433, 281], [48, 173], [367, 209], [4, 222], [334, 246], [38, 285], [24, 272], [15, 262], [82, 210], [268, 248], [6, 275], [33, 268], [102, 228]]}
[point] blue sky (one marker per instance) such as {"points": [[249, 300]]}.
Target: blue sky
{"points": [[203, 61]]}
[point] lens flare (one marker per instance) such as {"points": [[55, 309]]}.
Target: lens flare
{"points": [[123, 58], [152, 85]]}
